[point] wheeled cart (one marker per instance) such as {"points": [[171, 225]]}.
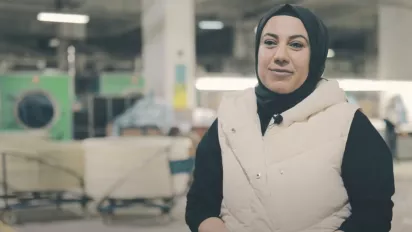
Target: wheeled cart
{"points": [[122, 172], [36, 178]]}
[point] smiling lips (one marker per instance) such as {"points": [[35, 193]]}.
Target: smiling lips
{"points": [[281, 72]]}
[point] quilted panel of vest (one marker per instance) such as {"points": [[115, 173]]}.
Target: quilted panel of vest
{"points": [[247, 147], [317, 179]]}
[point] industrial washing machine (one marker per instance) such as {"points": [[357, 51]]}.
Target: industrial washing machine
{"points": [[37, 101], [120, 83]]}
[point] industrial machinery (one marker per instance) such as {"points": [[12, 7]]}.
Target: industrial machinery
{"points": [[120, 83], [31, 101]]}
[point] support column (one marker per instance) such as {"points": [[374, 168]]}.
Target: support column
{"points": [[240, 50], [244, 41], [395, 53], [394, 50], [243, 50], [169, 58], [62, 54], [65, 53], [371, 54]]}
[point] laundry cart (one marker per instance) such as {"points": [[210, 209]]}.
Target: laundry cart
{"points": [[39, 173], [152, 171]]}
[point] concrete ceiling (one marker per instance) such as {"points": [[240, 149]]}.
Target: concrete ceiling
{"points": [[118, 14], [345, 18]]}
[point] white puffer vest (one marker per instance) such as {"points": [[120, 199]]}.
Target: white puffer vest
{"points": [[288, 180]]}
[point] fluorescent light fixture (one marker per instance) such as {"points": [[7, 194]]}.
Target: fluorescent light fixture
{"points": [[348, 84], [63, 18], [375, 85], [211, 25], [331, 53]]}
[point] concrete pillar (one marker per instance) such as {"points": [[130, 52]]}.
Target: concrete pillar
{"points": [[244, 41], [371, 54], [62, 62], [239, 44], [394, 51], [169, 59], [65, 53]]}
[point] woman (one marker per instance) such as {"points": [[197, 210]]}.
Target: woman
{"points": [[395, 116], [291, 155]]}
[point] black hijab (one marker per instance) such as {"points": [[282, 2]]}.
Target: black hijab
{"points": [[269, 102]]}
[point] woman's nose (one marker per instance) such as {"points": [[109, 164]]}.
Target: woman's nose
{"points": [[281, 57]]}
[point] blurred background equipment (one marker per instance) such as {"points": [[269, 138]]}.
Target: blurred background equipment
{"points": [[31, 101], [150, 171], [38, 173], [98, 112], [120, 83], [148, 112]]}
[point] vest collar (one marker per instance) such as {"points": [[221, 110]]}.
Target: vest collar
{"points": [[326, 94]]}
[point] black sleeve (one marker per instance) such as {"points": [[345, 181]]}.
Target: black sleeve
{"points": [[367, 173], [205, 196]]}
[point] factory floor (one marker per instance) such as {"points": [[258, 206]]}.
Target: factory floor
{"points": [[51, 220], [402, 221]]}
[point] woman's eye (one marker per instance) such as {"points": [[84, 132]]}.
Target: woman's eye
{"points": [[270, 42], [296, 45]]}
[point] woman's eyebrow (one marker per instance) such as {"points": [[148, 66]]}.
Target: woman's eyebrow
{"points": [[290, 37]]}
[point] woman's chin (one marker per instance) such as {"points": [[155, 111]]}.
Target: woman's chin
{"points": [[281, 87]]}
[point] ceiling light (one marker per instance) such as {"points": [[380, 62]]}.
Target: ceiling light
{"points": [[211, 25], [331, 53], [63, 18]]}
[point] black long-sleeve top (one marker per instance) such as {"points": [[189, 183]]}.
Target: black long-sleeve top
{"points": [[367, 173]]}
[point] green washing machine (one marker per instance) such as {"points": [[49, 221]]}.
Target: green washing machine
{"points": [[37, 101], [120, 84]]}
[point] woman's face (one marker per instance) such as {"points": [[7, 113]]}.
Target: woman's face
{"points": [[284, 54]]}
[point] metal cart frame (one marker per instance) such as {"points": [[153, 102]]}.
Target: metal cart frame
{"points": [[107, 206], [28, 199]]}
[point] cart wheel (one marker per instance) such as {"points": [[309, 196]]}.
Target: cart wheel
{"points": [[107, 218], [87, 214], [9, 217], [165, 210], [165, 218]]}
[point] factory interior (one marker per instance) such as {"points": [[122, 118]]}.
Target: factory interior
{"points": [[103, 102]]}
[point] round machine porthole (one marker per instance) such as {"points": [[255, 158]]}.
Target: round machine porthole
{"points": [[35, 110]]}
